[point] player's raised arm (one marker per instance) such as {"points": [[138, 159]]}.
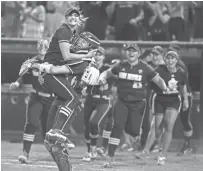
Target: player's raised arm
{"points": [[111, 72]]}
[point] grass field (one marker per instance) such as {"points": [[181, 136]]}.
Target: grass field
{"points": [[125, 161]]}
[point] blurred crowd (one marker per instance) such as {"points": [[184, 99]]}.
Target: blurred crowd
{"points": [[118, 20]]}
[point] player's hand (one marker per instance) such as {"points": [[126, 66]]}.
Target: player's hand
{"points": [[14, 86], [133, 22], [36, 66], [91, 54], [185, 105], [167, 91]]}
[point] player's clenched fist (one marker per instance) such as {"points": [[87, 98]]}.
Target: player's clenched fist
{"points": [[14, 85]]}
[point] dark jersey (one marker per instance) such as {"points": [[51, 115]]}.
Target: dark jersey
{"points": [[183, 66], [101, 89], [173, 80], [53, 54], [132, 80]]}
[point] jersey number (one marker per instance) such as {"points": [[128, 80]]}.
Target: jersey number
{"points": [[137, 85]]}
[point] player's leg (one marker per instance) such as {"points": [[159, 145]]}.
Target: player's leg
{"points": [[56, 140], [106, 133], [188, 129], [33, 110], [156, 126], [171, 114], [134, 125], [46, 102], [98, 116], [88, 109], [52, 113], [151, 139], [120, 116]]}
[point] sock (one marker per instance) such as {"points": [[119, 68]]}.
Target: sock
{"points": [[28, 137], [105, 138], [88, 145], [93, 141], [113, 144]]}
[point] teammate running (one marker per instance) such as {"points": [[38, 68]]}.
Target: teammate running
{"points": [[133, 76]]}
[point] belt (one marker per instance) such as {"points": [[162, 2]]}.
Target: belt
{"points": [[100, 96], [43, 94]]}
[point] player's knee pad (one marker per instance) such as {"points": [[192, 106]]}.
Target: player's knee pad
{"points": [[59, 153]]}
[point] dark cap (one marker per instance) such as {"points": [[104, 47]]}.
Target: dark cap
{"points": [[101, 49], [174, 47], [134, 46], [158, 50], [70, 11]]}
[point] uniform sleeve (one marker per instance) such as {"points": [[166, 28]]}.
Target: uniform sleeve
{"points": [[63, 35], [150, 72], [115, 69], [185, 80]]}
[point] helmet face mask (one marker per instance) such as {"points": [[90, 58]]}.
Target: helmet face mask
{"points": [[85, 42]]}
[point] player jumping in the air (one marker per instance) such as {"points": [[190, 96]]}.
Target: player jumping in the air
{"points": [[59, 53], [133, 76]]}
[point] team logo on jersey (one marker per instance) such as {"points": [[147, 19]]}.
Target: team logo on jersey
{"points": [[123, 69], [41, 79], [140, 71], [172, 84]]}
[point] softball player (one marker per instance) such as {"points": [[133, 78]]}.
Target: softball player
{"points": [[38, 105], [133, 76]]}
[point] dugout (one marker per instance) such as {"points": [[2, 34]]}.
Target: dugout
{"points": [[14, 51]]}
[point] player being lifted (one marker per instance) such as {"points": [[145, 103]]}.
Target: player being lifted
{"points": [[133, 76], [38, 99]]}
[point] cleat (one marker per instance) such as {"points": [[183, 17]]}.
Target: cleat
{"points": [[87, 157], [185, 150], [161, 160], [156, 149], [109, 163], [143, 154], [131, 149], [23, 158], [101, 151], [124, 147], [93, 153]]}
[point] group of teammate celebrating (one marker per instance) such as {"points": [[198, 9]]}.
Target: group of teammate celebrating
{"points": [[70, 67]]}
